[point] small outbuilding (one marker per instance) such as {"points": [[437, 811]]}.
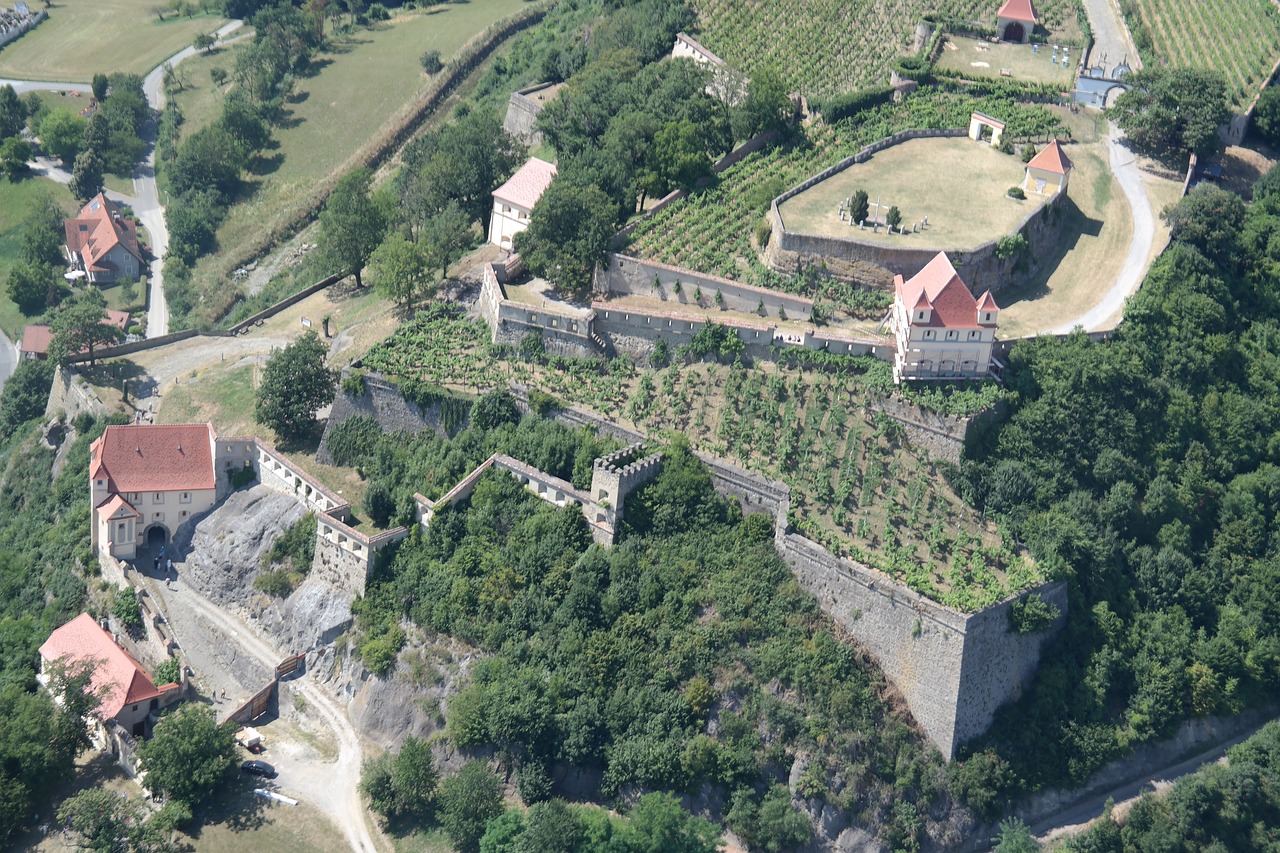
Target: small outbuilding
{"points": [[513, 202], [1016, 21], [1047, 172]]}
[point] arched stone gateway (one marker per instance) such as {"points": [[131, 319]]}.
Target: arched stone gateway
{"points": [[156, 535], [1014, 31]]}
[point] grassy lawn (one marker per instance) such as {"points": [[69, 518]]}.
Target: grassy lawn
{"points": [[83, 37], [14, 201], [357, 87], [981, 58], [958, 183], [245, 821]]}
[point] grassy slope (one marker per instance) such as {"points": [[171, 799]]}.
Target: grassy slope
{"points": [[356, 89], [83, 37], [14, 201]]}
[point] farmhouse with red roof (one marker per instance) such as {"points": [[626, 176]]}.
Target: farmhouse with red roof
{"points": [[102, 242], [1016, 20], [514, 200], [942, 331], [129, 697], [145, 477], [1047, 172]]}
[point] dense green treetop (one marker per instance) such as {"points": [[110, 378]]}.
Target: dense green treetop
{"points": [[1167, 113], [295, 385]]}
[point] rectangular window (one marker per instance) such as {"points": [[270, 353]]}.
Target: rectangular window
{"points": [[185, 498], [121, 526], [159, 516], [158, 497], [182, 514]]}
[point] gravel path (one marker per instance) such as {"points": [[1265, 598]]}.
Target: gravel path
{"points": [[214, 641]]}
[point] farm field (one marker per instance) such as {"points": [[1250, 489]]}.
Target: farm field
{"points": [[359, 86], [977, 58], [15, 199], [959, 184], [84, 37], [1239, 38], [858, 488], [821, 47], [711, 232]]}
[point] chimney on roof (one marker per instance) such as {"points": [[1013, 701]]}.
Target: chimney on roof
{"points": [[139, 449]]}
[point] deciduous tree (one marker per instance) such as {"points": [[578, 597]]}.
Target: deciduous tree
{"points": [[190, 756], [352, 225], [295, 384], [568, 234], [400, 270], [86, 175], [62, 134], [14, 154], [1167, 113], [468, 801], [81, 325], [13, 112]]}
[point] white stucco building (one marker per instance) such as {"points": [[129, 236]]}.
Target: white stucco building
{"points": [[514, 200], [941, 330], [145, 477]]}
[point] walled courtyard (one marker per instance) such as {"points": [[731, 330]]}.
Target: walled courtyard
{"points": [[979, 58], [958, 184]]}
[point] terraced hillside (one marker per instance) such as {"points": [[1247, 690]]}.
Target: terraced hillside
{"points": [[825, 46], [1239, 38]]}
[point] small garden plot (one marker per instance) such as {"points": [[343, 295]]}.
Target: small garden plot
{"points": [[976, 58], [959, 184]]}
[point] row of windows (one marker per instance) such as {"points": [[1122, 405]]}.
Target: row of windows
{"points": [[953, 335]]}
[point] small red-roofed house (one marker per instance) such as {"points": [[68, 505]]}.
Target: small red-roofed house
{"points": [[1016, 20], [941, 330], [36, 337], [102, 242], [1048, 171], [129, 696], [145, 477], [514, 200]]}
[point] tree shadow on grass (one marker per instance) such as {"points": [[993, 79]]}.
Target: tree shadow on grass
{"points": [[1077, 225], [235, 806]]}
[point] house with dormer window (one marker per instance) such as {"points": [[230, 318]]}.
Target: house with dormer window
{"points": [[941, 330], [103, 243]]}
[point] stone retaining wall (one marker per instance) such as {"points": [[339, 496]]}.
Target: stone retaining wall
{"points": [[628, 275], [875, 264]]}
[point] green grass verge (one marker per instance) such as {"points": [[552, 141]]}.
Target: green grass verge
{"points": [[84, 37]]}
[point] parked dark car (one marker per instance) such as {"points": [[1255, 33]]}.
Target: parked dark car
{"points": [[259, 768]]}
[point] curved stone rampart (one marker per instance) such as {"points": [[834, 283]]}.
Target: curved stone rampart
{"points": [[875, 264]]}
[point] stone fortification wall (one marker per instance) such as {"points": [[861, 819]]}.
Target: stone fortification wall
{"points": [[383, 402], [522, 114], [563, 332], [71, 395], [623, 274], [953, 669], [875, 264]]}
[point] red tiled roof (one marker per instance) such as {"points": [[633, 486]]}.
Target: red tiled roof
{"points": [[154, 458], [949, 298], [95, 231], [1051, 159], [1018, 10], [117, 318], [121, 679], [988, 302], [113, 505], [36, 339], [527, 185]]}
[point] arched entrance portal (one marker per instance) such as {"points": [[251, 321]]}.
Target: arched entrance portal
{"points": [[157, 537], [1014, 32]]}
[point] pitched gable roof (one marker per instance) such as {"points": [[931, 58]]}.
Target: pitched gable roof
{"points": [[36, 339], [116, 504], [1018, 10], [949, 298], [97, 229], [1051, 159], [121, 679], [527, 185], [154, 458]]}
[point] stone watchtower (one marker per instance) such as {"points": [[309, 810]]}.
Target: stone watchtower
{"points": [[617, 475]]}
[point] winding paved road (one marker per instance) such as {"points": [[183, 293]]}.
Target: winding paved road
{"points": [[1111, 40]]}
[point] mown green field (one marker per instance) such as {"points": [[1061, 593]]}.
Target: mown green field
{"points": [[15, 199], [84, 37]]}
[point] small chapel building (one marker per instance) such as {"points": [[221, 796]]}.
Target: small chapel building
{"points": [[941, 330], [514, 201], [1048, 171], [1016, 21]]}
